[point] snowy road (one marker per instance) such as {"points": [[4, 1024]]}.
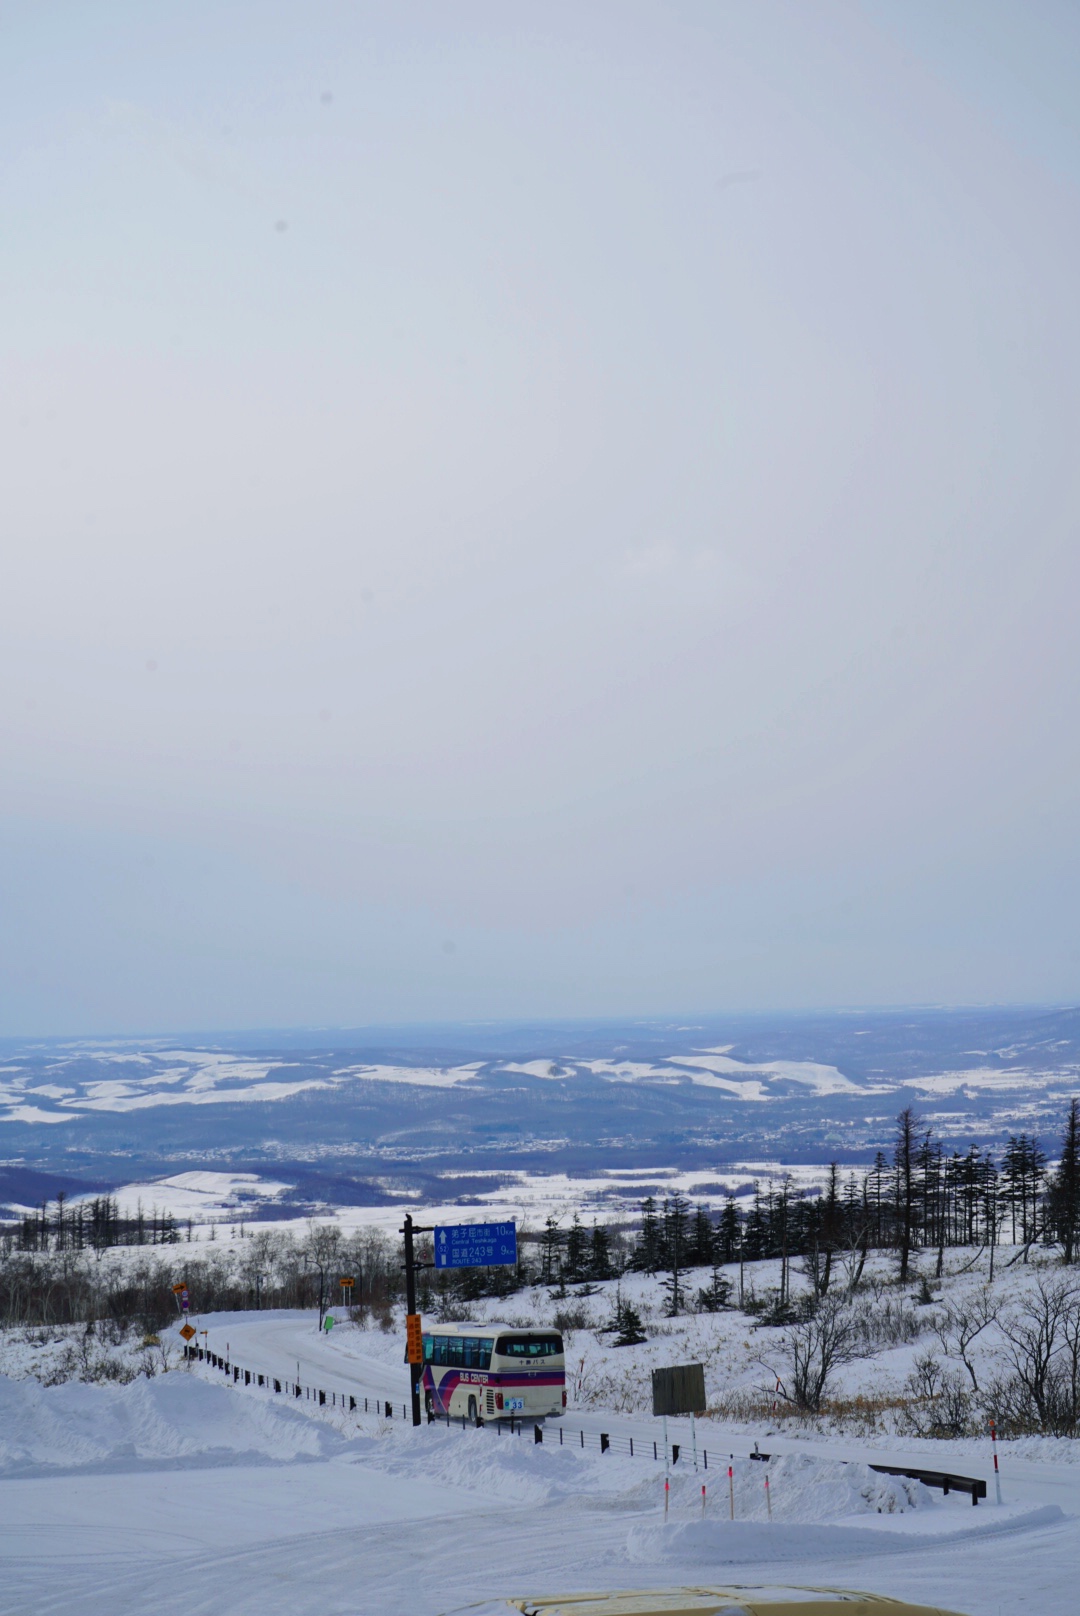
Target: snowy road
{"points": [[325, 1513], [291, 1346]]}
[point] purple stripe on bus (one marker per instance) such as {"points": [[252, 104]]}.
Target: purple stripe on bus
{"points": [[452, 1379]]}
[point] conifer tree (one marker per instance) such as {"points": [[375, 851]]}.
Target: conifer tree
{"points": [[629, 1331], [676, 1228], [905, 1157], [550, 1246], [702, 1239], [649, 1251], [1063, 1200], [728, 1233], [576, 1252], [600, 1266]]}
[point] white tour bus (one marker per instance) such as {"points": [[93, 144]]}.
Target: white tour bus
{"points": [[493, 1371]]}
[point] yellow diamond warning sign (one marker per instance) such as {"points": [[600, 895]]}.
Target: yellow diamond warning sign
{"points": [[187, 1332]]}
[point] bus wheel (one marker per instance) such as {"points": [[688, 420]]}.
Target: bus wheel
{"points": [[474, 1413]]}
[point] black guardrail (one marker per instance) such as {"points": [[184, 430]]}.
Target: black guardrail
{"points": [[647, 1448], [946, 1480], [604, 1440]]}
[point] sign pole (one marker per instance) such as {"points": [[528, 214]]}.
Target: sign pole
{"points": [[410, 1308]]}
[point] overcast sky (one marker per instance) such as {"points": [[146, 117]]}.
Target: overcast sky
{"points": [[536, 510]]}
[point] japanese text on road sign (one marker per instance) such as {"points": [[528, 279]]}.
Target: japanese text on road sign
{"points": [[475, 1245]]}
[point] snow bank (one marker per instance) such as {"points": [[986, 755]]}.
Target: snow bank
{"points": [[802, 1489], [504, 1469], [705, 1545], [172, 1417], [805, 1490]]}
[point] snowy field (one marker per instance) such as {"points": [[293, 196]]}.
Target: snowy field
{"points": [[225, 1201], [179, 1493]]}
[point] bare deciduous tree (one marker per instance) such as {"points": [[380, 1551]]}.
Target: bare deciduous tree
{"points": [[812, 1352], [959, 1324], [1041, 1390]]}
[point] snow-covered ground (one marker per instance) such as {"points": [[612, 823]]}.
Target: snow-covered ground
{"points": [[226, 1200], [179, 1493]]}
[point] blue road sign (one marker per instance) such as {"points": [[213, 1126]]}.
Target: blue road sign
{"points": [[475, 1245]]}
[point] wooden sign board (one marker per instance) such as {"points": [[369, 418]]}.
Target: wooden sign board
{"points": [[679, 1390]]}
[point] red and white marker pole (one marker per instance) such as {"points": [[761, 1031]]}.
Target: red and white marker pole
{"points": [[997, 1473], [768, 1496], [731, 1485], [703, 1500]]}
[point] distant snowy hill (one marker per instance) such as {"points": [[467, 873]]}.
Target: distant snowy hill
{"points": [[362, 1116]]}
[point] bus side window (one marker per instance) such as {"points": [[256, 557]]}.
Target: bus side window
{"points": [[485, 1345], [438, 1350], [471, 1352], [454, 1351], [427, 1350]]}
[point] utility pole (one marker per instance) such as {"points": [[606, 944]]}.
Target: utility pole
{"points": [[412, 1320]]}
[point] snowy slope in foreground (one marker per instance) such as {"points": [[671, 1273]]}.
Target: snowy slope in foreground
{"points": [[181, 1418], [171, 1418], [181, 1496]]}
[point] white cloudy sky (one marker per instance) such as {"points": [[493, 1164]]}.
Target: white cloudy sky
{"points": [[536, 510]]}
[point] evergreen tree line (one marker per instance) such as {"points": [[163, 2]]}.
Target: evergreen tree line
{"points": [[919, 1197]]}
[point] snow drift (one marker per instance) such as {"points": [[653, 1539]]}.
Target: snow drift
{"points": [[172, 1417]]}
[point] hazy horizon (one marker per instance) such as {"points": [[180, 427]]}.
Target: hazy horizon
{"points": [[420, 1031], [526, 515]]}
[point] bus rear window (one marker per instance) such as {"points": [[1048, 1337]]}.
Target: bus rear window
{"points": [[528, 1346]]}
